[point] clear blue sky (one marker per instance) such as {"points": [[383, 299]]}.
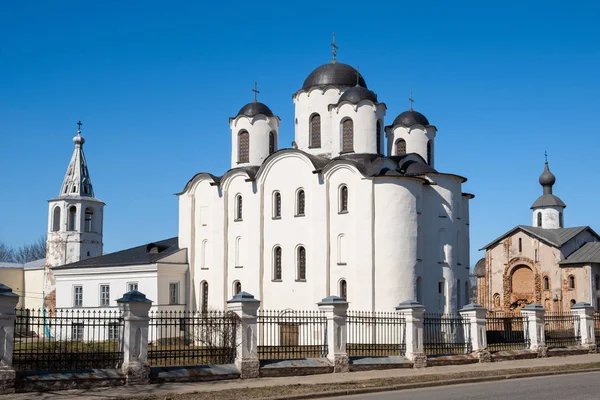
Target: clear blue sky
{"points": [[154, 84]]}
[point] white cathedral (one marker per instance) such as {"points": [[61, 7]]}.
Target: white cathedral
{"points": [[354, 209]]}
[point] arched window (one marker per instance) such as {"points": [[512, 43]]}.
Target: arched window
{"points": [[539, 219], [347, 136], [496, 301], [520, 245], [546, 283], [429, 153], [237, 287], [560, 220], [238, 207], [56, 219], [300, 203], [243, 147], [343, 199], [400, 147], [276, 205], [203, 255], [378, 133], [204, 306], [571, 282], [341, 249], [419, 290], [72, 223], [277, 263], [301, 263], [343, 289], [271, 142], [458, 295], [315, 131], [238, 244], [89, 214], [573, 302]]}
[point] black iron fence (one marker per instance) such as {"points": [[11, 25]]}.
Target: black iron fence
{"points": [[561, 329], [372, 333], [181, 338], [67, 339], [290, 334], [506, 331], [446, 334], [597, 326]]}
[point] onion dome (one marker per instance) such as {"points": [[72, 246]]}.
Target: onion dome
{"points": [[410, 118], [547, 199], [255, 108], [357, 94], [547, 178], [334, 74]]}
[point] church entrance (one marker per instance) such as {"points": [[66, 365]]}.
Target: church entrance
{"points": [[522, 287]]}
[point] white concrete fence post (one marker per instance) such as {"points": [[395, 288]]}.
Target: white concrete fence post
{"points": [[585, 311], [135, 307], [534, 317], [413, 314], [335, 309], [476, 331], [245, 306], [8, 302]]}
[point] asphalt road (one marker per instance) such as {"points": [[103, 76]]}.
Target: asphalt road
{"points": [[584, 386]]}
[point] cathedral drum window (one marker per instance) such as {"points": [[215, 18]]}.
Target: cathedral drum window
{"points": [[347, 136], [300, 203], [238, 207], [343, 199], [276, 205], [400, 147], [243, 147], [271, 142], [378, 137], [315, 131]]}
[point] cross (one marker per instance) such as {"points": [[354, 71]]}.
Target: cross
{"points": [[79, 125], [334, 48], [411, 100], [546, 156], [255, 90]]}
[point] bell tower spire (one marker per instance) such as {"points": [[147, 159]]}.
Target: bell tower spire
{"points": [[77, 180]]}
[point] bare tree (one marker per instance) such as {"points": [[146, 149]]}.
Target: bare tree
{"points": [[7, 254], [31, 251]]}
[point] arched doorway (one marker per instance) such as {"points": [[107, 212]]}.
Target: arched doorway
{"points": [[522, 282]]}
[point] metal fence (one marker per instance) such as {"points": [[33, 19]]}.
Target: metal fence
{"points": [[291, 334], [446, 334], [371, 333], [67, 339], [181, 338], [506, 331], [597, 326], [561, 329]]}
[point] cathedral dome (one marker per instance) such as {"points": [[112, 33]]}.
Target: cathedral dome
{"points": [[254, 108], [334, 74], [410, 118], [357, 94], [547, 178]]}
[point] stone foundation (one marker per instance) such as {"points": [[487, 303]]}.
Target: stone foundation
{"points": [[542, 351], [484, 356], [248, 368], [419, 360], [136, 373], [341, 364], [7, 380]]}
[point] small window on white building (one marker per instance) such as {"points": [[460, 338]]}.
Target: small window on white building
{"points": [[301, 263], [343, 289], [77, 331], [539, 219], [72, 223], [204, 289], [277, 263], [276, 205], [203, 255], [104, 295], [343, 199], [238, 245], [174, 293], [300, 203], [238, 207], [77, 296], [89, 214], [237, 287], [131, 286], [341, 249], [56, 219]]}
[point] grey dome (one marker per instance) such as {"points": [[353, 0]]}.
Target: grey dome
{"points": [[357, 94], [410, 118], [547, 178], [255, 108], [335, 74]]}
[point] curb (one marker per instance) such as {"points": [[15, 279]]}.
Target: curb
{"points": [[418, 385]]}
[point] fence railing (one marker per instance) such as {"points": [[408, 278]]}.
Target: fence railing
{"points": [[446, 334], [290, 334], [597, 327], [561, 329], [372, 334], [68, 339], [506, 331], [180, 338]]}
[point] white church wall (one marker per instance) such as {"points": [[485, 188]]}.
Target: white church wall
{"points": [[170, 274], [258, 128], [34, 288], [364, 116], [416, 138], [550, 217]]}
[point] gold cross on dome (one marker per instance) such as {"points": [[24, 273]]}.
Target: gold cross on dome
{"points": [[255, 90], [411, 100], [334, 48]]}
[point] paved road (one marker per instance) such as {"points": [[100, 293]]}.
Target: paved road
{"points": [[584, 386]]}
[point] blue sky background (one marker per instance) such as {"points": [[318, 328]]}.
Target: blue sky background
{"points": [[155, 82]]}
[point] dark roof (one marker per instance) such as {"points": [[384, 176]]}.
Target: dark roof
{"points": [[145, 254], [555, 237], [334, 74], [372, 165], [255, 108], [546, 200], [479, 270], [410, 118], [588, 253], [357, 94]]}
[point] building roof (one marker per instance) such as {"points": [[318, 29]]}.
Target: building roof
{"points": [[11, 265], [410, 118], [554, 237], [146, 254], [36, 264], [546, 200], [357, 94], [479, 270], [255, 108], [334, 74], [588, 253]]}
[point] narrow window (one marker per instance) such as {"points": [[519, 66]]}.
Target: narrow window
{"points": [[597, 282], [419, 290], [238, 244], [301, 263], [546, 283], [72, 225], [343, 202], [341, 249], [77, 296], [276, 205], [378, 139], [429, 153], [277, 263], [539, 219], [520, 245], [204, 255], [400, 147], [237, 287], [174, 293], [204, 306], [77, 331], [343, 289], [271, 142], [104, 295], [300, 202], [238, 207], [131, 286], [315, 131], [243, 147], [571, 282], [347, 136], [56, 219], [535, 255], [89, 214], [560, 220]]}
